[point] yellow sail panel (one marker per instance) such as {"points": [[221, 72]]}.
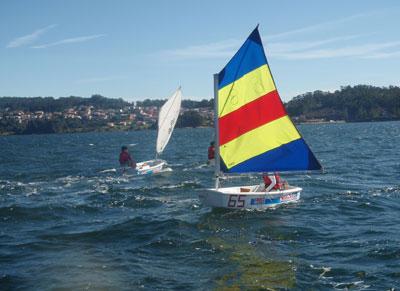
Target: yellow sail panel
{"points": [[257, 141], [254, 132], [244, 90]]}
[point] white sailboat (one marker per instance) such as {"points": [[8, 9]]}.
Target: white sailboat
{"points": [[167, 118], [253, 133]]}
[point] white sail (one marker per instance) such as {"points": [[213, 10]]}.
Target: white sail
{"points": [[167, 118]]}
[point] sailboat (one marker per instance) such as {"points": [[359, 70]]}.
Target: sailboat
{"points": [[167, 118], [253, 132]]}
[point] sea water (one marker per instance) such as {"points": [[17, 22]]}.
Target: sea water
{"points": [[70, 220]]}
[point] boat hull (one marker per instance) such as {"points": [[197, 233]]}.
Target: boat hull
{"points": [[247, 197], [152, 167]]}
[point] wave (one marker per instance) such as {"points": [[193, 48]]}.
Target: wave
{"points": [[185, 184], [20, 188], [24, 213], [385, 191], [137, 229], [112, 170]]}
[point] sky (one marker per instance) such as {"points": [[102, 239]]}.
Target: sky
{"points": [[146, 49]]}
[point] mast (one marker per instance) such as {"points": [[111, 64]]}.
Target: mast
{"points": [[216, 127]]}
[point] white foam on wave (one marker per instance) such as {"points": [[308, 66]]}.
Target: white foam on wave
{"points": [[180, 185], [324, 271], [34, 191], [386, 191], [175, 165], [69, 179], [28, 189], [112, 170], [164, 170], [102, 188], [349, 285], [359, 285], [199, 167]]}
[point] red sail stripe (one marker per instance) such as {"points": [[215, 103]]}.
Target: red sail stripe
{"points": [[250, 116]]}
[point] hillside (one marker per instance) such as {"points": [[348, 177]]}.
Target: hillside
{"points": [[51, 104], [29, 115], [358, 103], [23, 115]]}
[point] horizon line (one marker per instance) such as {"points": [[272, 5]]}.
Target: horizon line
{"points": [[193, 98]]}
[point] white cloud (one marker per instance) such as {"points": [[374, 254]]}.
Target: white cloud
{"points": [[282, 47], [335, 47], [360, 51], [316, 49], [29, 38], [70, 40], [206, 51], [382, 55], [227, 48], [320, 26]]}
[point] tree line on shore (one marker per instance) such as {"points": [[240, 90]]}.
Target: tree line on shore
{"points": [[51, 104], [53, 114], [351, 104], [68, 125]]}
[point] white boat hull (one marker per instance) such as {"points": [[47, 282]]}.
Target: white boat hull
{"points": [[152, 167], [247, 197]]}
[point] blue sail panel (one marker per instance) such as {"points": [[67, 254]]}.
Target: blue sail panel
{"points": [[294, 156], [249, 57], [255, 134]]}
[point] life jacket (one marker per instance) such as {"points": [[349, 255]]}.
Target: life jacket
{"points": [[279, 182], [211, 152], [124, 157]]}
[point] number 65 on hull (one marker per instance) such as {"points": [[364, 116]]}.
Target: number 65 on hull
{"points": [[240, 198]]}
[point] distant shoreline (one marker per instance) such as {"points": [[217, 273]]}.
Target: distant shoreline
{"points": [[144, 129], [321, 122], [343, 121], [38, 115]]}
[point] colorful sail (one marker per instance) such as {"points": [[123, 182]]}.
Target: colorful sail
{"points": [[255, 132]]}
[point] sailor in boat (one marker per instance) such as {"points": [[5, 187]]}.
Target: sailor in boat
{"points": [[274, 182], [211, 154], [125, 159]]}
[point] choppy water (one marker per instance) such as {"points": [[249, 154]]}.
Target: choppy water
{"points": [[68, 221]]}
